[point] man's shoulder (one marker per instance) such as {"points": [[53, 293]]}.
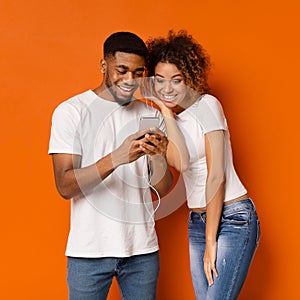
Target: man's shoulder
{"points": [[83, 97], [77, 102]]}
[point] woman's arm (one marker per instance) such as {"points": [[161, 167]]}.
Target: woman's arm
{"points": [[177, 152], [161, 177], [215, 190]]}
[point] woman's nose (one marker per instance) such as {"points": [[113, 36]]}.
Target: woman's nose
{"points": [[168, 87]]}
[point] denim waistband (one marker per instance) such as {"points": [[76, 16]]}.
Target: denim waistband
{"points": [[197, 215], [241, 204], [245, 203]]}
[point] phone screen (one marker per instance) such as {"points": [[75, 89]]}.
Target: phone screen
{"points": [[147, 122]]}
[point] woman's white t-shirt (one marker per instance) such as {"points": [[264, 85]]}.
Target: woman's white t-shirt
{"points": [[204, 116]]}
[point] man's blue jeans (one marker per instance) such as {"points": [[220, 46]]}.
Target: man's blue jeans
{"points": [[237, 241], [91, 278]]}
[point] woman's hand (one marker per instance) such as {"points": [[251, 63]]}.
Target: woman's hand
{"points": [[177, 152], [148, 92], [210, 261]]}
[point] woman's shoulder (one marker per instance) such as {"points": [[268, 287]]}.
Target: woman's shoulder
{"points": [[209, 99], [210, 113]]}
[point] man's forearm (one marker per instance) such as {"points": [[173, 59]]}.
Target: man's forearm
{"points": [[76, 181]]}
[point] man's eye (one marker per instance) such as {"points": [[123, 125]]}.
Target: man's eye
{"points": [[122, 72], [139, 74]]}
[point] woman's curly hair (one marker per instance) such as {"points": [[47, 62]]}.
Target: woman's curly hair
{"points": [[186, 53]]}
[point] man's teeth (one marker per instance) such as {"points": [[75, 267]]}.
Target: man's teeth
{"points": [[125, 89]]}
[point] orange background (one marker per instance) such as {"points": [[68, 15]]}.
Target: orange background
{"points": [[50, 50]]}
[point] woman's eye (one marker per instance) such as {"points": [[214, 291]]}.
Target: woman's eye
{"points": [[176, 81], [159, 80]]}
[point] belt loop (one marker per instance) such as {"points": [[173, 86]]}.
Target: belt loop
{"points": [[253, 204], [203, 217]]}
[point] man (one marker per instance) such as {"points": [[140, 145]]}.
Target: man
{"points": [[102, 165]]}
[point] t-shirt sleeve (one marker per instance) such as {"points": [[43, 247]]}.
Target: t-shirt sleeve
{"points": [[65, 135], [210, 114]]}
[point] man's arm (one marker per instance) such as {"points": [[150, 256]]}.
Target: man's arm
{"points": [[72, 180]]}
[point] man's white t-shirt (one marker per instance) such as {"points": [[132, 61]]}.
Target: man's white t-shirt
{"points": [[114, 219], [204, 116]]}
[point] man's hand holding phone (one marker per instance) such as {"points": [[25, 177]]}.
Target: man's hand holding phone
{"points": [[154, 142], [148, 140]]}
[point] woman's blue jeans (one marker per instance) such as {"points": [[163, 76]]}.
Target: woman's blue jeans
{"points": [[237, 239], [91, 278]]}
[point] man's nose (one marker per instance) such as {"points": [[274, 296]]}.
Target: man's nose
{"points": [[129, 77]]}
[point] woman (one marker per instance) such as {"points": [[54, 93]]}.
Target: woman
{"points": [[223, 224]]}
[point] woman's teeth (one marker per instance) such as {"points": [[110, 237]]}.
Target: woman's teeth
{"points": [[168, 97]]}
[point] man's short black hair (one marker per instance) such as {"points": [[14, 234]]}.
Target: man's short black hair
{"points": [[127, 42]]}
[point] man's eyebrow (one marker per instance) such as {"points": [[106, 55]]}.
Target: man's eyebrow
{"points": [[127, 68], [123, 67]]}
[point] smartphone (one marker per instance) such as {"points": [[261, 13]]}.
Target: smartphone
{"points": [[147, 122]]}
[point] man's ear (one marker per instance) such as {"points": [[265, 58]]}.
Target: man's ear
{"points": [[103, 66]]}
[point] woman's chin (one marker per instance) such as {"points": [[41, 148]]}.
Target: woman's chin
{"points": [[169, 104]]}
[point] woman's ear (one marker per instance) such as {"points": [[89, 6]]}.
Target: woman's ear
{"points": [[103, 66]]}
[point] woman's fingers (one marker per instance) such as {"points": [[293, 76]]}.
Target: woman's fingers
{"points": [[210, 270]]}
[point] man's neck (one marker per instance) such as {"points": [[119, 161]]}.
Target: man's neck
{"points": [[103, 92]]}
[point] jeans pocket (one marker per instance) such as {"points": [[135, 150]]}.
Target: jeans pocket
{"points": [[236, 218]]}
